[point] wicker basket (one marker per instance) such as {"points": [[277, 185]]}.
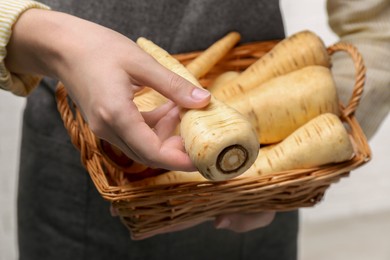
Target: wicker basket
{"points": [[147, 209]]}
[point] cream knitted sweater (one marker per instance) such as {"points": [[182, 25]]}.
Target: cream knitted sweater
{"points": [[364, 23]]}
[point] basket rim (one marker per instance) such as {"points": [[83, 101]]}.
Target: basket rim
{"points": [[269, 181]]}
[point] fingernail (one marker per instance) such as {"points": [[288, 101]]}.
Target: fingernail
{"points": [[200, 94], [225, 223]]}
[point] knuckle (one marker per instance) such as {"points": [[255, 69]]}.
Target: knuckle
{"points": [[176, 83], [101, 117]]}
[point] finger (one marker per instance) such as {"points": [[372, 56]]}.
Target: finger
{"points": [[169, 84], [168, 124], [244, 222], [175, 142], [113, 211], [173, 145], [152, 117], [119, 143], [138, 141], [142, 140]]}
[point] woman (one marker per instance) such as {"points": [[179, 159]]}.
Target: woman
{"points": [[60, 214]]}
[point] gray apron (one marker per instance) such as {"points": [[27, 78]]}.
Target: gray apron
{"points": [[60, 213]]}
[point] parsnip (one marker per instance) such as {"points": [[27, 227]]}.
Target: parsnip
{"points": [[221, 142], [171, 177], [207, 59], [322, 140], [281, 105], [149, 100], [222, 80], [297, 51], [198, 67]]}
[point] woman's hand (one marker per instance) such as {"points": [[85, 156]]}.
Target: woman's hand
{"points": [[102, 70], [244, 222], [236, 222]]}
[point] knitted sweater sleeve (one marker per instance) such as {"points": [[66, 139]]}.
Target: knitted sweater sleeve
{"points": [[10, 10], [365, 24]]}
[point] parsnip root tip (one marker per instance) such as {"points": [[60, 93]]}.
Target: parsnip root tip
{"points": [[232, 159]]}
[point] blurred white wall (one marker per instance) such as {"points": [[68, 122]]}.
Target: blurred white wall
{"points": [[10, 118], [364, 196]]}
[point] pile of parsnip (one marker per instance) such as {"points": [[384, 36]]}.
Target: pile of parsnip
{"points": [[286, 101]]}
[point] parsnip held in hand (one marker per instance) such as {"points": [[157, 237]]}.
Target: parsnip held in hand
{"points": [[322, 140], [198, 67], [220, 141]]}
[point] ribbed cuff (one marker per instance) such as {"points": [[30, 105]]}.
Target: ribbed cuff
{"points": [[10, 11]]}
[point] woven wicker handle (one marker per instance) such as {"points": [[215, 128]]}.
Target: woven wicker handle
{"points": [[78, 131], [360, 75]]}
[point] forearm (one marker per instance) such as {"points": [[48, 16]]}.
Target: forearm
{"points": [[49, 43], [59, 45], [10, 11], [365, 24], [56, 42], [30, 53]]}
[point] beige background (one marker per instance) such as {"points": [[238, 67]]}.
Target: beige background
{"points": [[353, 221]]}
